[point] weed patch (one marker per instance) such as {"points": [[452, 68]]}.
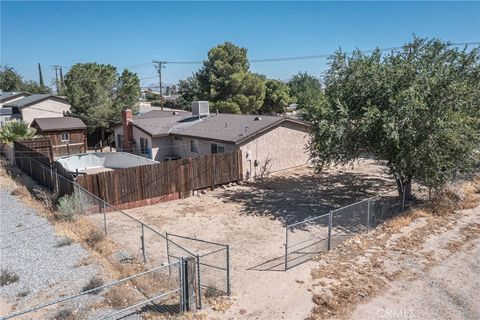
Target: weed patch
{"points": [[8, 277]]}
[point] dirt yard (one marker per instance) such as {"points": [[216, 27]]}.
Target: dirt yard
{"points": [[251, 218], [423, 264]]}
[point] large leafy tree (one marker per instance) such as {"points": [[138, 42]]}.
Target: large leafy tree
{"points": [[225, 80], [10, 80], [306, 89], [16, 130], [98, 94], [277, 96], [415, 108], [189, 90]]}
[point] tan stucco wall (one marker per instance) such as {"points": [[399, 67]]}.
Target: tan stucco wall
{"points": [[45, 109], [282, 147], [182, 148]]}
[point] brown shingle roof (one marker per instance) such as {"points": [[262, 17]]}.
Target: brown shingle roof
{"points": [[59, 123], [234, 128]]}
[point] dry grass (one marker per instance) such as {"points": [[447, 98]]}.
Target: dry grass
{"points": [[121, 296], [363, 266]]}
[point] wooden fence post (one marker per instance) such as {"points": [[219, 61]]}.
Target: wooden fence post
{"points": [[189, 269]]}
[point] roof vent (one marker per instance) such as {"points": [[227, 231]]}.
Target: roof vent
{"points": [[257, 118], [200, 109]]}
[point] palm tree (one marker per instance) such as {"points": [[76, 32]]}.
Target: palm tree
{"points": [[16, 130]]}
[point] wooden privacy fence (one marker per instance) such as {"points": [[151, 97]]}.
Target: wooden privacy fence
{"points": [[162, 179]]}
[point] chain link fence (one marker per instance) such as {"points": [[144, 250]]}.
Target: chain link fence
{"points": [[141, 242], [305, 240], [158, 291], [213, 264]]}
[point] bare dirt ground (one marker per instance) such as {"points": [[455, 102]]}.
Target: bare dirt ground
{"points": [[251, 218], [423, 264]]}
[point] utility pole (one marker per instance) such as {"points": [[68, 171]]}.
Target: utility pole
{"points": [[159, 65], [56, 68]]}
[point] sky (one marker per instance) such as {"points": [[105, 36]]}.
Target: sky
{"points": [[133, 33]]}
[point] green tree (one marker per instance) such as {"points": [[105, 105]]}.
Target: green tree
{"points": [[97, 94], [306, 89], [16, 130], [226, 82], [10, 80], [128, 92], [277, 97], [34, 87], [415, 108], [189, 91]]}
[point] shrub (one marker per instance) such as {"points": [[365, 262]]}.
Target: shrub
{"points": [[94, 282], [64, 314], [120, 297], [68, 207], [7, 277], [212, 292], [63, 242], [23, 294], [93, 237]]}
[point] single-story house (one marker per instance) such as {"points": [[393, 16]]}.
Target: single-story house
{"points": [[10, 96], [67, 135], [38, 106], [269, 143]]}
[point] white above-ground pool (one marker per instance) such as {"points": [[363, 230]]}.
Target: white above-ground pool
{"points": [[101, 161]]}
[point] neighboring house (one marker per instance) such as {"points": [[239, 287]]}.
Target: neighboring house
{"points": [[7, 97], [38, 106], [67, 135], [269, 143], [5, 115]]}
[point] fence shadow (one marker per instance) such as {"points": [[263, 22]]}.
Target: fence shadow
{"points": [[295, 198]]}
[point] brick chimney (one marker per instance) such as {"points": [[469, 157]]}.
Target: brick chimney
{"points": [[127, 130]]}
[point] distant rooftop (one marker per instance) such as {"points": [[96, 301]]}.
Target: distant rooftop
{"points": [[7, 95], [59, 123], [34, 98]]}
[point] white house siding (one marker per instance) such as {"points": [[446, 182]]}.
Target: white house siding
{"points": [[280, 148], [46, 109]]}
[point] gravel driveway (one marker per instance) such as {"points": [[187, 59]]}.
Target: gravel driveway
{"points": [[30, 250]]}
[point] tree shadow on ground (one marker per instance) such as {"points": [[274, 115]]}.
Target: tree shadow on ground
{"points": [[294, 198]]}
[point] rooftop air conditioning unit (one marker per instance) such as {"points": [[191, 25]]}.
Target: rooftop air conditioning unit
{"points": [[200, 109]]}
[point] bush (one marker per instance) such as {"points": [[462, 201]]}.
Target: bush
{"points": [[94, 282], [64, 314], [94, 236], [212, 292], [7, 277], [120, 297], [68, 207], [63, 242]]}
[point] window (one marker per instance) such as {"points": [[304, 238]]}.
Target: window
{"points": [[65, 137], [216, 148], [119, 142], [144, 146], [194, 146], [177, 138]]}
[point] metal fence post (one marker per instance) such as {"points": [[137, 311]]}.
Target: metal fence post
{"points": [[286, 247], [104, 218], [329, 231], [403, 198], [199, 284], [143, 244], [182, 284], [168, 253], [228, 271], [368, 215]]}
